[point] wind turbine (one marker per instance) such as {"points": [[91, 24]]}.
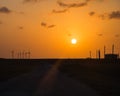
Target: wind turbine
{"points": [[12, 54]]}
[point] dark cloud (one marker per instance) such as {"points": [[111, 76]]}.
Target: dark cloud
{"points": [[69, 5], [62, 4], [20, 27], [47, 25], [117, 35], [110, 15], [5, 10], [51, 26], [114, 15], [92, 13], [43, 24], [100, 34], [59, 11]]}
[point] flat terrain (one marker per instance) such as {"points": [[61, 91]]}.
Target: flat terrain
{"points": [[95, 77]]}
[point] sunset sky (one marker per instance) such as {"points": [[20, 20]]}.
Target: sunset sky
{"points": [[46, 27]]}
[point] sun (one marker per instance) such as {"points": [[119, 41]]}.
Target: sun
{"points": [[73, 41]]}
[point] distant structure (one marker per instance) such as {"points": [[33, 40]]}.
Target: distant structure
{"points": [[26, 54], [20, 55], [90, 54], [104, 50], [23, 53], [96, 54], [99, 54], [29, 53], [112, 55], [12, 54]]}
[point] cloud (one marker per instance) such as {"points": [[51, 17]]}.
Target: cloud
{"points": [[109, 16], [46, 25], [92, 13], [117, 35], [102, 16], [20, 27], [1, 22], [59, 11], [43, 24], [114, 15], [69, 34], [21, 12], [62, 4], [5, 10], [51, 26], [70, 5], [100, 34], [27, 1]]}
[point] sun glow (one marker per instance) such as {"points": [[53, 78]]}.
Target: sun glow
{"points": [[73, 41]]}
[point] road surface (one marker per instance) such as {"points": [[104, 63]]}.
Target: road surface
{"points": [[46, 80]]}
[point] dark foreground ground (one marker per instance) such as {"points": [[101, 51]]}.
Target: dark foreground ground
{"points": [[64, 77]]}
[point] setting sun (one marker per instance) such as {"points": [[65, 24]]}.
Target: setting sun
{"points": [[73, 41]]}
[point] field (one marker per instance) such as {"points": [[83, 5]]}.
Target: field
{"points": [[103, 76]]}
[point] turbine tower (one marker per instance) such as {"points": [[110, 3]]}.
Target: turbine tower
{"points": [[26, 55], [99, 55], [12, 54], [90, 55], [104, 51], [29, 53], [20, 55], [113, 49], [23, 53]]}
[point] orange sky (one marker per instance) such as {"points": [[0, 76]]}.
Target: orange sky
{"points": [[46, 27]]}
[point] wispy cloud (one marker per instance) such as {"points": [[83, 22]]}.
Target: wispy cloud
{"points": [[100, 34], [44, 24], [51, 26], [73, 5], [27, 1], [81, 4], [117, 35], [102, 16], [110, 15], [59, 11], [20, 27], [92, 13], [21, 12], [114, 15], [5, 10]]}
